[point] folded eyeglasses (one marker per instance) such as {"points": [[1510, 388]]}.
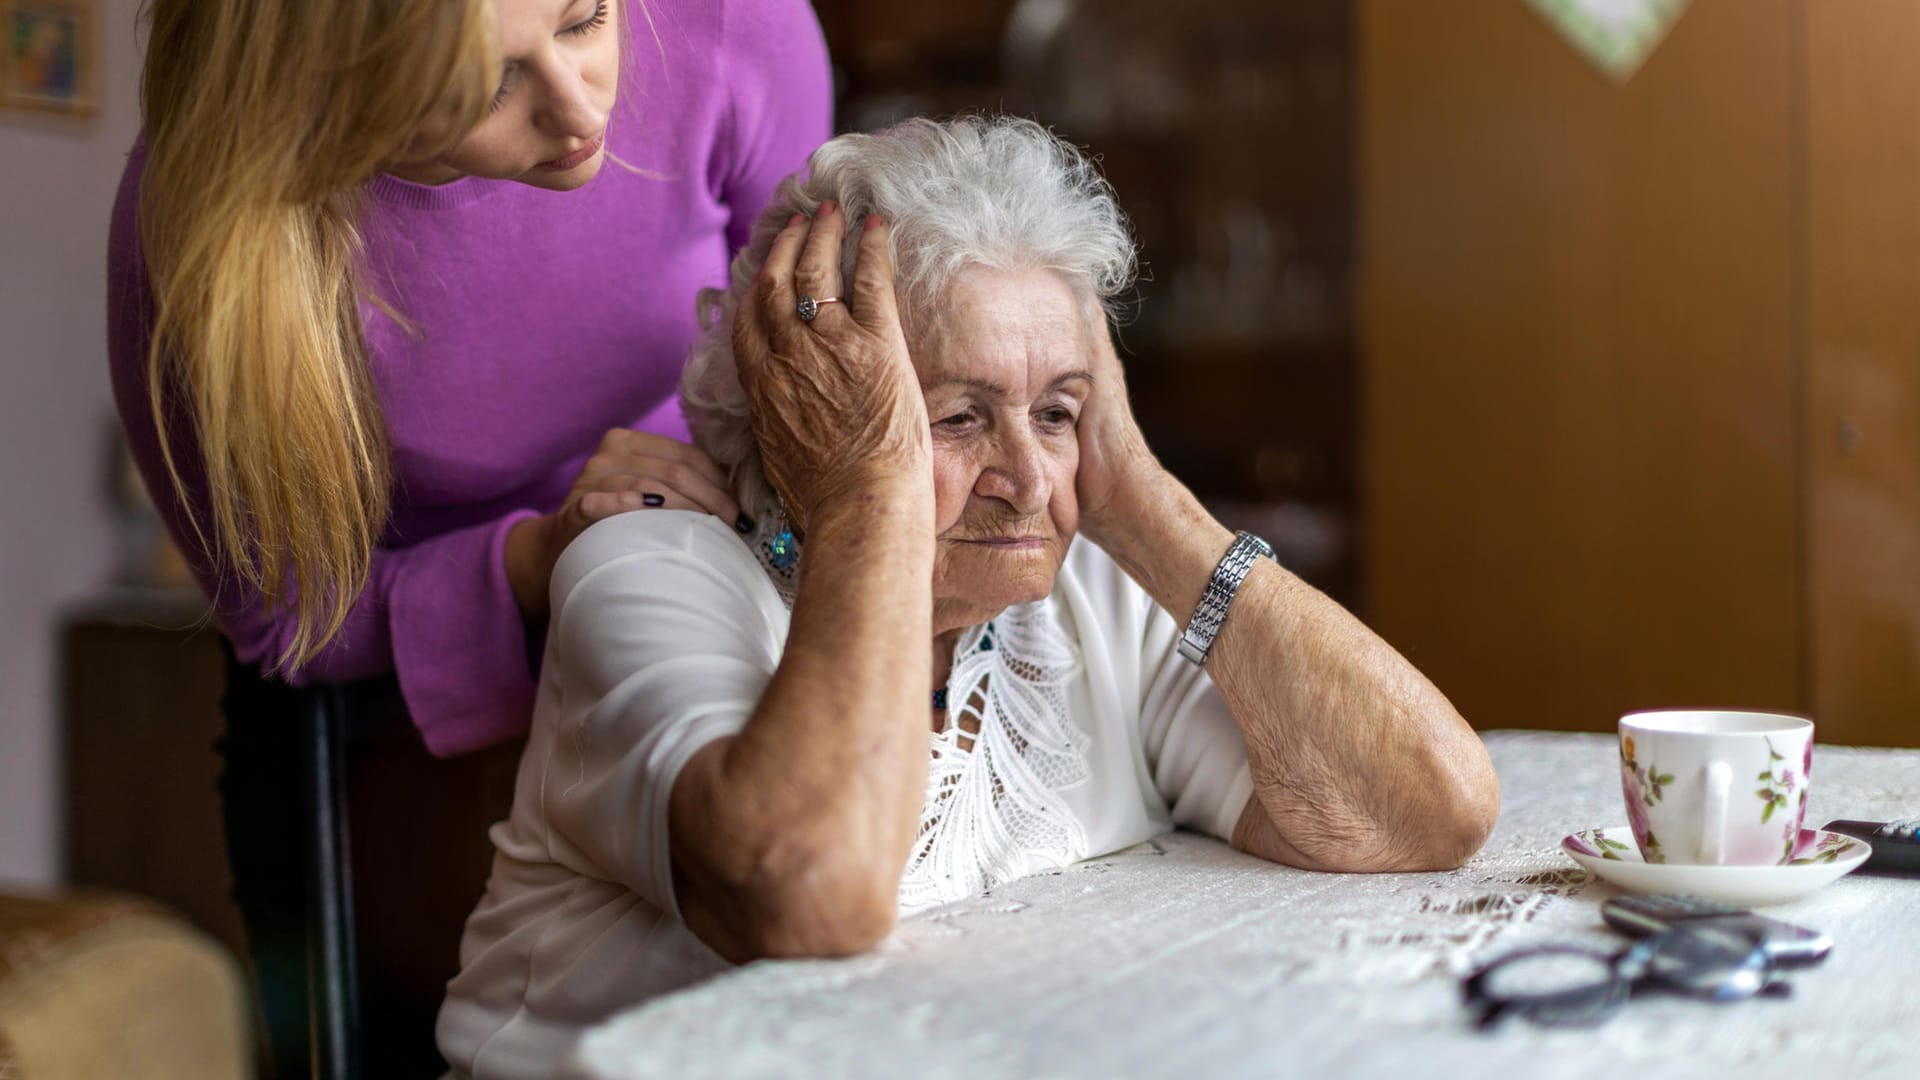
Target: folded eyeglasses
{"points": [[1577, 986]]}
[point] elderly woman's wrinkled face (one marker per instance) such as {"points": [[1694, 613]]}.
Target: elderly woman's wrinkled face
{"points": [[1005, 377]]}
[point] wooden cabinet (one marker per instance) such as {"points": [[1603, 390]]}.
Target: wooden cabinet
{"points": [[1641, 364], [1226, 128], [143, 676], [141, 679]]}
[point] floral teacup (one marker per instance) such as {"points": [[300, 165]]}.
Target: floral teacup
{"points": [[1715, 786]]}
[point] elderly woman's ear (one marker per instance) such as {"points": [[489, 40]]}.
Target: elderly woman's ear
{"points": [[835, 404]]}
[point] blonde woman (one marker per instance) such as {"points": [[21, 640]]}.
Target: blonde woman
{"points": [[400, 293]]}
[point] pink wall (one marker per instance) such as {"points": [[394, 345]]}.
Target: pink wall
{"points": [[57, 183]]}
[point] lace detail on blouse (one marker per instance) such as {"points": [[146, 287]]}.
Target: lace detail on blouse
{"points": [[994, 810], [995, 774]]}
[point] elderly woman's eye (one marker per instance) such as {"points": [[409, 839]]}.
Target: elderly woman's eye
{"points": [[957, 420], [1060, 417]]}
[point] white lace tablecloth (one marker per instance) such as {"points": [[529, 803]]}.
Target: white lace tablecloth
{"points": [[1182, 958]]}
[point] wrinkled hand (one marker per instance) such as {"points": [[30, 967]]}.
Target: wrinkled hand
{"points": [[835, 403], [631, 470], [1114, 459]]}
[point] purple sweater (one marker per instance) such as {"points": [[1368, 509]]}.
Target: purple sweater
{"points": [[547, 318]]}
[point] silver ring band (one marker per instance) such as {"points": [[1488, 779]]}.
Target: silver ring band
{"points": [[808, 308]]}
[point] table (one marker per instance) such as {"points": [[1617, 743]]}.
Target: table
{"points": [[1184, 958]]}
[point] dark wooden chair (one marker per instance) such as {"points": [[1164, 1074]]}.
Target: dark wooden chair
{"points": [[394, 852], [333, 982]]}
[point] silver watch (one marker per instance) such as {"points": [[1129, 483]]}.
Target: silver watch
{"points": [[1197, 640]]}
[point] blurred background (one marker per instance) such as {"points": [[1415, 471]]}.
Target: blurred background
{"points": [[1586, 369]]}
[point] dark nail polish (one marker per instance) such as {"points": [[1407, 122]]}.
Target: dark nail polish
{"points": [[743, 524], [650, 499]]}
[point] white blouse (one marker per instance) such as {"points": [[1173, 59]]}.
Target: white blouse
{"points": [[1074, 730]]}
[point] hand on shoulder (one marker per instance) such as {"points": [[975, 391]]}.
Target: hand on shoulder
{"points": [[631, 470]]}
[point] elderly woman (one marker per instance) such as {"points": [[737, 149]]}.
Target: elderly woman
{"points": [[910, 683]]}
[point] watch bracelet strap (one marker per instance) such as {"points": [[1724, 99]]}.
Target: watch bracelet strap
{"points": [[1196, 641]]}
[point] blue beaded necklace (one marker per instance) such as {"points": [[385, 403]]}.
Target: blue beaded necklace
{"points": [[783, 551]]}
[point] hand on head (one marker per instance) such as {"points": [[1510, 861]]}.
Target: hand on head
{"points": [[1113, 452], [835, 402], [836, 407]]}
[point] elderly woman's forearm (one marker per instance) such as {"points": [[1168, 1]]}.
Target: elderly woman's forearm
{"points": [[791, 841], [1359, 760]]}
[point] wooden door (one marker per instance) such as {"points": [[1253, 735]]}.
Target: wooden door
{"points": [[1863, 420], [1581, 384]]}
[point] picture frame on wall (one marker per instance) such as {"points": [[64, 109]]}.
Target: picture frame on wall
{"points": [[49, 56]]}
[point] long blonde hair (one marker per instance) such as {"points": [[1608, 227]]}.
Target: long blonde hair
{"points": [[263, 120]]}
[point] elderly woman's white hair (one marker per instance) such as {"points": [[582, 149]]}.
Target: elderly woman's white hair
{"points": [[990, 191]]}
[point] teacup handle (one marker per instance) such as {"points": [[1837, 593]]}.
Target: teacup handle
{"points": [[1713, 833]]}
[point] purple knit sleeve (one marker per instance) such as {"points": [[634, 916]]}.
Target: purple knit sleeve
{"points": [[781, 102], [439, 613]]}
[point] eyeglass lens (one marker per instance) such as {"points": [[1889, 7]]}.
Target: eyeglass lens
{"points": [[1556, 986], [1708, 961]]}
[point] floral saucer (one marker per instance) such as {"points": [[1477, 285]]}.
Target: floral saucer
{"points": [[1819, 857]]}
